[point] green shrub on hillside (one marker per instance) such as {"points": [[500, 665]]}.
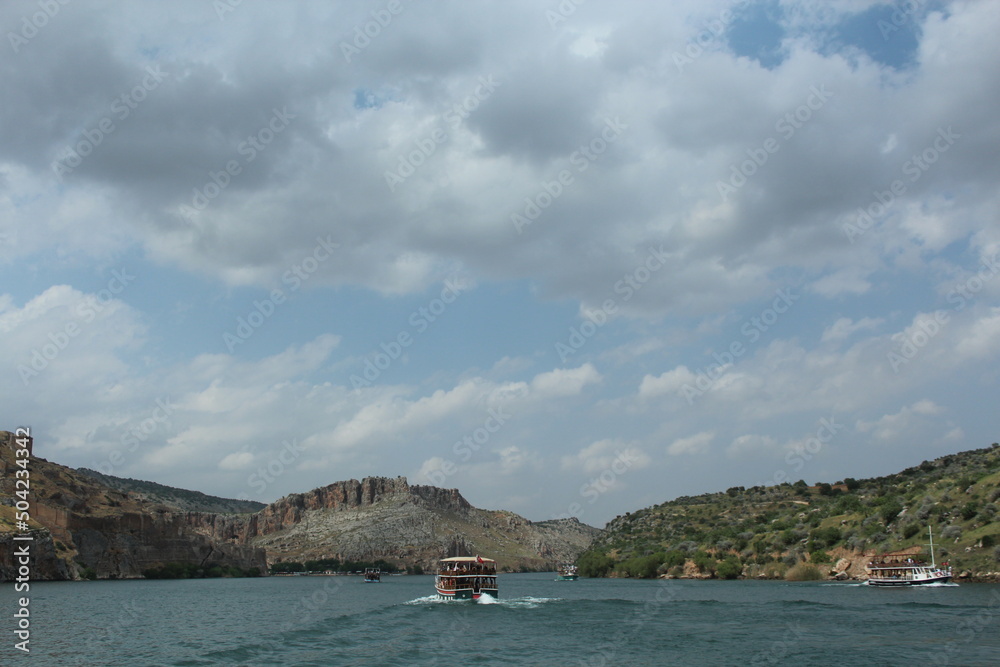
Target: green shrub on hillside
{"points": [[729, 568]]}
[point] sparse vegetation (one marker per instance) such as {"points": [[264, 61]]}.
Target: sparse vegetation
{"points": [[191, 501], [790, 529]]}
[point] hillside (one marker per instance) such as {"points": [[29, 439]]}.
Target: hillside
{"points": [[766, 531], [86, 528], [83, 528], [388, 519], [180, 500]]}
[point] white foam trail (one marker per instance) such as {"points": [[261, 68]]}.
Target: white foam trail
{"points": [[526, 602], [428, 599]]}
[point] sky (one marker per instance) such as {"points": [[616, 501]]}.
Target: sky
{"points": [[571, 258]]}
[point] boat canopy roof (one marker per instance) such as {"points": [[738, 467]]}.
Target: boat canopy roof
{"points": [[466, 559]]}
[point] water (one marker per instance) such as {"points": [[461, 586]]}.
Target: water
{"points": [[536, 621]]}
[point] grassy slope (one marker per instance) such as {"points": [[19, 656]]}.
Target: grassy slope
{"points": [[181, 499], [766, 530]]}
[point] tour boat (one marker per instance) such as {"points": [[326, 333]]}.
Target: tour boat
{"points": [[466, 578], [899, 569], [568, 572], [373, 575]]}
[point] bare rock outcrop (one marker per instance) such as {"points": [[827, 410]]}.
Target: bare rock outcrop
{"points": [[83, 525]]}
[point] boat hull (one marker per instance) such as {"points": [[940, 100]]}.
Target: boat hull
{"points": [[909, 582], [568, 577], [467, 593]]}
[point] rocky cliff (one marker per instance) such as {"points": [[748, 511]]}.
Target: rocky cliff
{"points": [[84, 526], [387, 518]]}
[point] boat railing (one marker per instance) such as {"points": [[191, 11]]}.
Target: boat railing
{"points": [[451, 583]]}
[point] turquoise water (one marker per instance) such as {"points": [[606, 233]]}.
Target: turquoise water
{"points": [[536, 621]]}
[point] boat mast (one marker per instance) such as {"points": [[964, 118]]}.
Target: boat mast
{"points": [[931, 535]]}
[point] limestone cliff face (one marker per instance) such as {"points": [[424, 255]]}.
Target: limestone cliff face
{"points": [[80, 523], [83, 523], [386, 518]]}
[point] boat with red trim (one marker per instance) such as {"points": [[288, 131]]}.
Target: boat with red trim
{"points": [[466, 578]]}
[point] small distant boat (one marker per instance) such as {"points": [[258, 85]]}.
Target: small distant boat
{"points": [[466, 578], [568, 572], [373, 575], [899, 569]]}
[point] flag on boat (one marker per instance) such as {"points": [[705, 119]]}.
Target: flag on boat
{"points": [[478, 559]]}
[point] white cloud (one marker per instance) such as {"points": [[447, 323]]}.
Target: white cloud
{"points": [[670, 382], [236, 461], [563, 382], [603, 455], [588, 253], [752, 444], [845, 327], [909, 421], [695, 444]]}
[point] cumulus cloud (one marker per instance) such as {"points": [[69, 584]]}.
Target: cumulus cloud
{"points": [[907, 422], [603, 455], [695, 444], [228, 163]]}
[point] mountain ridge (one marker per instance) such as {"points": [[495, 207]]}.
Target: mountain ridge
{"points": [[85, 528]]}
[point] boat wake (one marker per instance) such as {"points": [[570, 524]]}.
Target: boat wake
{"points": [[937, 584], [527, 602]]}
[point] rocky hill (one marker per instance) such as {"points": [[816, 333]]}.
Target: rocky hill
{"points": [[84, 527], [180, 500], [388, 519], [828, 529]]}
